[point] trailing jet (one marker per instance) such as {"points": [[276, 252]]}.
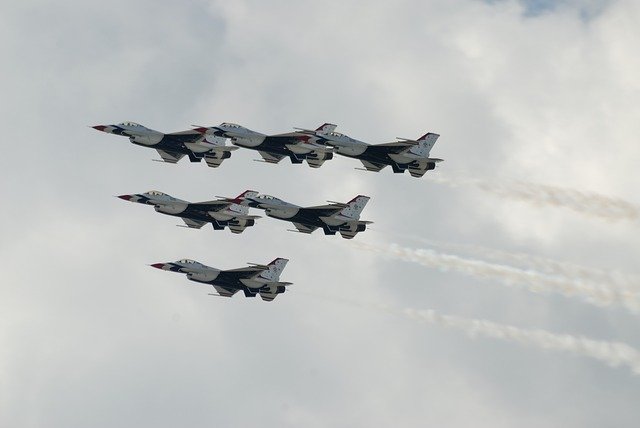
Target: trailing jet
{"points": [[406, 154], [221, 213], [197, 144], [297, 146], [332, 218], [253, 279]]}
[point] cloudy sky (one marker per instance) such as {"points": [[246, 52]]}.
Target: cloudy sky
{"points": [[534, 208]]}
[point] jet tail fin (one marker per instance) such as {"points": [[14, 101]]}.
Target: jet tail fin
{"points": [[326, 127], [355, 207], [246, 194], [275, 269], [425, 143]]}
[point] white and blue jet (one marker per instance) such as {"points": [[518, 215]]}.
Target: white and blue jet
{"points": [[196, 143], [332, 218], [221, 213], [297, 146], [252, 280], [405, 154]]}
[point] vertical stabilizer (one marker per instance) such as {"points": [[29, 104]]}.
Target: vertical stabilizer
{"points": [[356, 205], [326, 128], [275, 269], [425, 143]]}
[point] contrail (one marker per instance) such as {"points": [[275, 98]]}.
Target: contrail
{"points": [[588, 203], [614, 354], [595, 293], [615, 278]]}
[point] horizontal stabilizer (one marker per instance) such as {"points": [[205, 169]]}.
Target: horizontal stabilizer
{"points": [[271, 157], [170, 157], [305, 131], [338, 204], [194, 224], [225, 291], [258, 265], [409, 141]]}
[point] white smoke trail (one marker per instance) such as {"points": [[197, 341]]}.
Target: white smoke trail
{"points": [[618, 279], [598, 294], [614, 354], [592, 204]]}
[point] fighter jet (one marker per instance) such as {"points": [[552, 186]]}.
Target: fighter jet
{"points": [[254, 279], [297, 146], [406, 154], [196, 143], [332, 218], [221, 213]]}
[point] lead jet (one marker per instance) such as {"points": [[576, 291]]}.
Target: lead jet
{"points": [[253, 279], [221, 213], [332, 218], [297, 146], [197, 144], [403, 155]]}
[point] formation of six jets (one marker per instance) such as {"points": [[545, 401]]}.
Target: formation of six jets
{"points": [[313, 146]]}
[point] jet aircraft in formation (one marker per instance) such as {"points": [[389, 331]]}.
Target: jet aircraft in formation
{"points": [[402, 155], [253, 279], [221, 213], [332, 218], [297, 146], [312, 146], [233, 212], [197, 144]]}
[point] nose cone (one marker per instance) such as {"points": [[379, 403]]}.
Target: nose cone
{"points": [[100, 127], [158, 265], [126, 197]]}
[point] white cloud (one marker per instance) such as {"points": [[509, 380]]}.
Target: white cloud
{"points": [[95, 337]]}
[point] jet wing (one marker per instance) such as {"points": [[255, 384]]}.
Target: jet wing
{"points": [[170, 157], [249, 270], [193, 224], [224, 291], [270, 157], [210, 205], [383, 149], [189, 136], [372, 166], [322, 210]]}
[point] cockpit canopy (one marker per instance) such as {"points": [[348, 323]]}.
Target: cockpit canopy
{"points": [[188, 262], [131, 124], [155, 193], [267, 198], [231, 125]]}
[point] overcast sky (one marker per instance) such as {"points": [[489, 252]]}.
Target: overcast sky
{"points": [[523, 93]]}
